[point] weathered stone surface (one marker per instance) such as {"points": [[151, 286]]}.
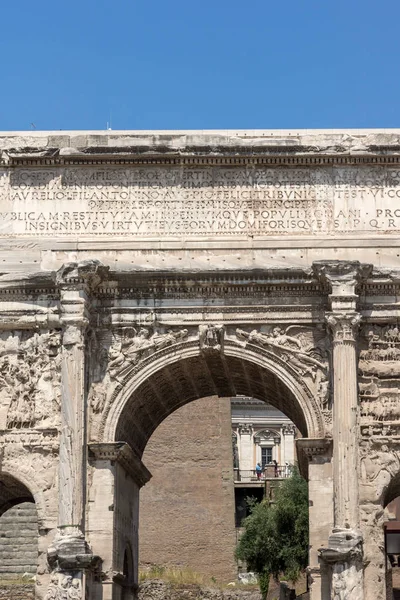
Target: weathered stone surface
{"points": [[189, 502], [160, 590], [18, 541], [157, 268], [17, 592]]}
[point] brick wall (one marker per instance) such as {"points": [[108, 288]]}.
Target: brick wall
{"points": [[187, 508], [18, 541]]}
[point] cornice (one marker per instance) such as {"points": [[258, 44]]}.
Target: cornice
{"points": [[188, 284], [296, 156], [123, 454], [314, 447]]}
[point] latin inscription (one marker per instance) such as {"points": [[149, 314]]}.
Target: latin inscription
{"points": [[199, 202]]}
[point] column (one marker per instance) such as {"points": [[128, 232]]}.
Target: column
{"points": [[247, 458], [70, 556], [344, 550], [288, 432], [344, 329]]}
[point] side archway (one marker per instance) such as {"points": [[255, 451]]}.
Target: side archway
{"points": [[19, 531]]}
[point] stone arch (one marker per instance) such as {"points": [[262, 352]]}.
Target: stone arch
{"points": [[12, 492], [181, 373], [27, 489], [391, 491]]}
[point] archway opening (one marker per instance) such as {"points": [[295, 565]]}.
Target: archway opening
{"points": [[184, 379], [18, 535]]}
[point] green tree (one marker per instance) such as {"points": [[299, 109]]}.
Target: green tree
{"points": [[275, 537]]}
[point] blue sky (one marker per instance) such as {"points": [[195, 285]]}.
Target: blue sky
{"points": [[174, 64]]}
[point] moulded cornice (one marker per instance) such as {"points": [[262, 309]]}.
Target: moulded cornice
{"points": [[122, 453]]}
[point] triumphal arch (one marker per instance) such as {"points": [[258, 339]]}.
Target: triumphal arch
{"points": [[143, 270]]}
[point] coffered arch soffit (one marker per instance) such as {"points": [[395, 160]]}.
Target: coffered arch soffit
{"points": [[182, 373]]}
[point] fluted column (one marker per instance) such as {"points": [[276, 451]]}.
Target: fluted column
{"points": [[72, 471], [344, 553], [344, 329]]}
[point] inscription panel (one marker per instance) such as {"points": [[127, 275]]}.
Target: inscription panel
{"points": [[199, 202]]}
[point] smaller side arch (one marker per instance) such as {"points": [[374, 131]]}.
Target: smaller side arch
{"points": [[25, 489]]}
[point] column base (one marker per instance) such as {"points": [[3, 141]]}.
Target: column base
{"points": [[344, 556], [73, 565]]}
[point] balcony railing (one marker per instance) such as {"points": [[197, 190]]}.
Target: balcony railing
{"points": [[269, 472]]}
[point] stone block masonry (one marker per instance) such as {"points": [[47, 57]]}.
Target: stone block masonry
{"points": [[18, 542]]}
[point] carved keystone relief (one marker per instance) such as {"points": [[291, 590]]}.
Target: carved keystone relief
{"points": [[211, 338], [30, 386]]}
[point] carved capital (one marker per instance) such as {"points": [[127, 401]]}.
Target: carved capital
{"points": [[76, 281], [245, 429], [87, 275], [344, 326], [289, 430], [342, 277]]}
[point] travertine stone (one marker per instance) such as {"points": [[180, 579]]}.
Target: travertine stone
{"points": [[144, 270]]}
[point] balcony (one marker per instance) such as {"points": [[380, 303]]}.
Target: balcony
{"points": [[269, 472]]}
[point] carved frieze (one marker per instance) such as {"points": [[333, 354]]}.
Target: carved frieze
{"points": [[379, 463]]}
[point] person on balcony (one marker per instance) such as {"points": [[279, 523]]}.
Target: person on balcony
{"points": [[258, 470]]}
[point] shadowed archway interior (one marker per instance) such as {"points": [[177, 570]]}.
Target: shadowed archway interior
{"points": [[392, 491], [12, 492], [199, 377]]}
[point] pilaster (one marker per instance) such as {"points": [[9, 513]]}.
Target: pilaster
{"points": [[318, 456], [70, 556]]}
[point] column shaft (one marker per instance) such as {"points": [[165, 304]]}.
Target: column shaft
{"points": [[345, 433], [72, 439]]}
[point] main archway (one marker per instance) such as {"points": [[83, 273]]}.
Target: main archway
{"points": [[170, 378], [184, 373]]}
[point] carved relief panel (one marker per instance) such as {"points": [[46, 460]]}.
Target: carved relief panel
{"points": [[29, 379], [379, 384]]}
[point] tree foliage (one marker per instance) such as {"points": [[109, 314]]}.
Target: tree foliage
{"points": [[275, 537]]}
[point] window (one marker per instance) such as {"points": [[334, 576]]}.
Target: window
{"points": [[266, 456]]}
